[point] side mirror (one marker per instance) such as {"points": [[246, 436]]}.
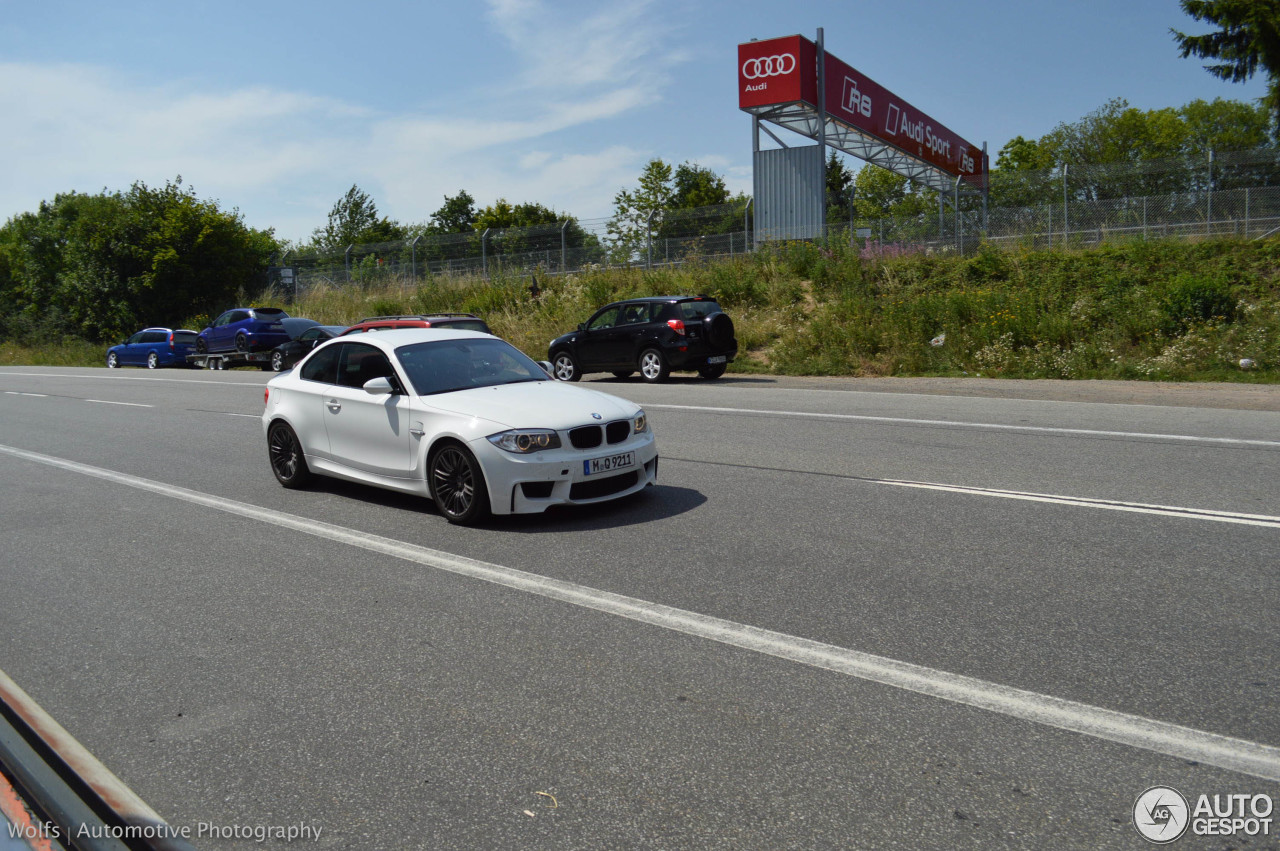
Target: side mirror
{"points": [[547, 368], [582, 326], [378, 386]]}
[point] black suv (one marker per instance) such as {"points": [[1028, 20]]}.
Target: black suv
{"points": [[653, 335]]}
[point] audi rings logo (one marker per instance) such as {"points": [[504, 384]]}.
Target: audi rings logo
{"points": [[768, 66]]}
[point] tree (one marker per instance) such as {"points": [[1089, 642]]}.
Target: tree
{"points": [[456, 215], [840, 190], [98, 266], [635, 210], [354, 220], [697, 186], [1248, 40], [503, 214]]}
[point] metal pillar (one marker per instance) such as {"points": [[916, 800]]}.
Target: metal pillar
{"points": [[413, 259], [822, 128], [564, 248]]}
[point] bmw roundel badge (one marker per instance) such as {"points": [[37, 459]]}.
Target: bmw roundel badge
{"points": [[597, 416]]}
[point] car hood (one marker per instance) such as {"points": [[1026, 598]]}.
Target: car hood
{"points": [[536, 404]]}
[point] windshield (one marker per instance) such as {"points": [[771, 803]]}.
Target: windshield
{"points": [[442, 366]]}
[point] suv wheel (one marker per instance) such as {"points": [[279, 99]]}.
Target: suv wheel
{"points": [[653, 366], [565, 367], [713, 371]]}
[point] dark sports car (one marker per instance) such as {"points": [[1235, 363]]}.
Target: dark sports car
{"points": [[305, 335]]}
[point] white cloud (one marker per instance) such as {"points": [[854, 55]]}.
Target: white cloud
{"points": [[283, 157]]}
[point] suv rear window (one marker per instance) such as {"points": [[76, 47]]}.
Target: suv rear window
{"points": [[698, 309]]}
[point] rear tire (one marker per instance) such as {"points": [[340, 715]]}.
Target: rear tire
{"points": [[457, 485], [287, 459], [153, 361], [565, 367], [653, 366], [277, 361], [242, 343], [712, 372]]}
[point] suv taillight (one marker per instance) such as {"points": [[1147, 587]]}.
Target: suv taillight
{"points": [[676, 325]]}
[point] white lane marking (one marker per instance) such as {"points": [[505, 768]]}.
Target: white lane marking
{"points": [[1189, 438], [16, 393], [1227, 752], [1089, 502], [112, 377], [109, 402], [250, 416]]}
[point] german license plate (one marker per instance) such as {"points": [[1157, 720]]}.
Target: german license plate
{"points": [[608, 464], [718, 359]]}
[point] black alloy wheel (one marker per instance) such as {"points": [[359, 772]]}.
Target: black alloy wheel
{"points": [[565, 367], [457, 485], [287, 460], [202, 348]]}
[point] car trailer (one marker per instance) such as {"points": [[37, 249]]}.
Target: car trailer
{"points": [[230, 360]]}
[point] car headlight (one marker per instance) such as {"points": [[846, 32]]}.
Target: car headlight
{"points": [[640, 423], [523, 441]]}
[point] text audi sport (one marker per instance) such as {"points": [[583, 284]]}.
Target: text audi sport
{"points": [[458, 416]]}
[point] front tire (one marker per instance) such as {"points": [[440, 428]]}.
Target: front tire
{"points": [[287, 459], [457, 485], [565, 367], [653, 366], [113, 362], [153, 361], [202, 347], [277, 361]]}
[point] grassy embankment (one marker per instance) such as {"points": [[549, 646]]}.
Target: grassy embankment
{"points": [[1157, 310]]}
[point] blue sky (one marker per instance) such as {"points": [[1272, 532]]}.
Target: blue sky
{"points": [[277, 107]]}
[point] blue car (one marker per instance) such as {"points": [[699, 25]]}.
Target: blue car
{"points": [[153, 348], [244, 329]]}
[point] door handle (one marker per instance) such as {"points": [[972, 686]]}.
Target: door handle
{"points": [[334, 405], [417, 430]]}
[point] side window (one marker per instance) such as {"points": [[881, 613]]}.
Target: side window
{"points": [[135, 339], [309, 335], [360, 363], [222, 320], [155, 337], [635, 314], [607, 319], [238, 316], [323, 366]]}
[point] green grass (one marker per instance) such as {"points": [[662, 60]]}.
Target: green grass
{"points": [[1143, 310]]}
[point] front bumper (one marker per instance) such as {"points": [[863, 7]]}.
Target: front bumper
{"points": [[530, 484]]}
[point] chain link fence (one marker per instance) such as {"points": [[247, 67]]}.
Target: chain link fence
{"points": [[1221, 194]]}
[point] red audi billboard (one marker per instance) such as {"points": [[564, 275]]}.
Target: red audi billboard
{"points": [[785, 70]]}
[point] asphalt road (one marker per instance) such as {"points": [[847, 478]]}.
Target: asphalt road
{"points": [[845, 619]]}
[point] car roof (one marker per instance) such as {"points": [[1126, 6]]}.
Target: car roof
{"points": [[170, 330], [393, 338], [422, 316], [662, 299]]}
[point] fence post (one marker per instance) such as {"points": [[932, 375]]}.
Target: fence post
{"points": [[413, 260], [564, 248], [1144, 217], [1246, 212], [346, 261], [1208, 218], [648, 239], [484, 252], [1066, 220], [746, 224]]}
